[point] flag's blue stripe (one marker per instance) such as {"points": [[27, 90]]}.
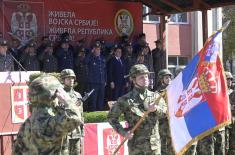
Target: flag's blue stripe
{"points": [[199, 119], [189, 71]]}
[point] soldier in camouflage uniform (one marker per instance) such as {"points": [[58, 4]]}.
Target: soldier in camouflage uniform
{"points": [[205, 146], [68, 76], [221, 137], [230, 130], [218, 142], [145, 140], [44, 132], [164, 77]]}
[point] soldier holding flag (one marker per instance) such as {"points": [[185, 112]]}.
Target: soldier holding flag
{"points": [[146, 139]]}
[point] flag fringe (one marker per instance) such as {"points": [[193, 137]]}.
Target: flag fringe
{"points": [[201, 136]]}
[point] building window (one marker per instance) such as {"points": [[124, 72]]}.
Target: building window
{"points": [[149, 18], [180, 18], [175, 62]]}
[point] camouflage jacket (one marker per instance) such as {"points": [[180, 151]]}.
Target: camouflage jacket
{"points": [[44, 132], [78, 132], [132, 105]]}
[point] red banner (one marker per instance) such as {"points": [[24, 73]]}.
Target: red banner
{"points": [[101, 138], [107, 20], [13, 100]]}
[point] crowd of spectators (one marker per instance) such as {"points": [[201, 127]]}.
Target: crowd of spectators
{"points": [[100, 67]]}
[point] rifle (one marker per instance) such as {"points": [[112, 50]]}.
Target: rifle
{"points": [[139, 122], [87, 95]]}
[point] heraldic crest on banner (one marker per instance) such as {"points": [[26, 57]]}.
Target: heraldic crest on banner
{"points": [[23, 23], [124, 22]]}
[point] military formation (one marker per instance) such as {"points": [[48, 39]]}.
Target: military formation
{"points": [[55, 126], [56, 122]]}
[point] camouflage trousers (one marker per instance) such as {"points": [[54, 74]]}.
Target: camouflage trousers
{"points": [[219, 144], [227, 137], [192, 150], [144, 146], [232, 139], [75, 146], [205, 146], [146, 151], [166, 145]]}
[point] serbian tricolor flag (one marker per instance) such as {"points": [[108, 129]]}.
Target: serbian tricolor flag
{"points": [[198, 103]]}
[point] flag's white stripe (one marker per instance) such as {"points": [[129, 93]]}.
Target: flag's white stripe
{"points": [[180, 134]]}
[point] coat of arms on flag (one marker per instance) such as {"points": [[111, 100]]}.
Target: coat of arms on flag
{"points": [[198, 103]]}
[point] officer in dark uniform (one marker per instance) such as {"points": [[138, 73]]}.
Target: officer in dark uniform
{"points": [[29, 58], [6, 61], [44, 42], [48, 60], [96, 77], [159, 57], [129, 56], [16, 52], [81, 71], [65, 55]]}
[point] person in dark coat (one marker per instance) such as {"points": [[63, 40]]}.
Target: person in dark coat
{"points": [[159, 58], [141, 42], [16, 52], [44, 42], [116, 72], [96, 77], [129, 56], [64, 56], [6, 61], [48, 60], [81, 71], [29, 58]]}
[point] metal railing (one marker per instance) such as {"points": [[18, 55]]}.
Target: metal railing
{"points": [[5, 139]]}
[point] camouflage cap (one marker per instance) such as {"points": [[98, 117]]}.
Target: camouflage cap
{"points": [[228, 75], [164, 72], [67, 73], [43, 88], [138, 70]]}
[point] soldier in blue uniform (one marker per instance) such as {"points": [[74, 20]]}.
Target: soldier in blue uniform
{"points": [[96, 77], [48, 60], [6, 62], [64, 56], [29, 58]]}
